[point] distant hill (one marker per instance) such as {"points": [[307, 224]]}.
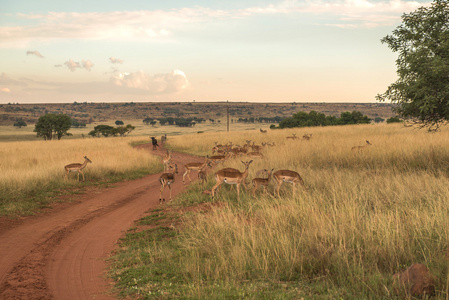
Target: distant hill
{"points": [[103, 112]]}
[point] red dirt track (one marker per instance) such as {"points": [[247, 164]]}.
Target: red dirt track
{"points": [[61, 253]]}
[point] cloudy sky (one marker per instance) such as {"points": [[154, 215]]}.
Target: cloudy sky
{"points": [[185, 50]]}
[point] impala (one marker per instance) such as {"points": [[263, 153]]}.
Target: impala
{"points": [[262, 182], [293, 137], [231, 176], [202, 176], [195, 166], [167, 179], [360, 148], [76, 167], [263, 131], [287, 176], [167, 159]]}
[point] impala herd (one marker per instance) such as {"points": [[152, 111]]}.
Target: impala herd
{"points": [[221, 153]]}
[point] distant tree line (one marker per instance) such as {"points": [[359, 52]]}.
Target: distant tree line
{"points": [[313, 118], [181, 122], [276, 119], [108, 131]]}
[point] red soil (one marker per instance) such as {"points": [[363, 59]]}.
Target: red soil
{"points": [[61, 253]]}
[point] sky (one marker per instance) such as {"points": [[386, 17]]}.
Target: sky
{"points": [[59, 51]]}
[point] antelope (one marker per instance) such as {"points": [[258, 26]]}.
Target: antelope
{"points": [[287, 176], [76, 167], [219, 158], [167, 179], [231, 176], [202, 175], [163, 139], [360, 148], [195, 166], [167, 159], [262, 182], [293, 137], [263, 131], [307, 136]]}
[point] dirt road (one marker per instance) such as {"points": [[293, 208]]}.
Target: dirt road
{"points": [[61, 253]]}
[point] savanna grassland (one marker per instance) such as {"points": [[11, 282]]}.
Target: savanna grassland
{"points": [[32, 171], [361, 217]]}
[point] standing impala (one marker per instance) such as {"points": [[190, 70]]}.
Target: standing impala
{"points": [[76, 167], [287, 176], [195, 166], [262, 182], [167, 179], [231, 176], [360, 148], [167, 159]]}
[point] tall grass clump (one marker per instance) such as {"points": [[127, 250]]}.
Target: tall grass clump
{"points": [[32, 171], [361, 217]]}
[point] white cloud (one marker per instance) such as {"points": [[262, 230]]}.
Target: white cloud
{"points": [[173, 82], [5, 90], [36, 53], [73, 65], [115, 60], [160, 25]]}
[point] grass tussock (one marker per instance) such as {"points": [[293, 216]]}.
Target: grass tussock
{"points": [[361, 217], [32, 172]]}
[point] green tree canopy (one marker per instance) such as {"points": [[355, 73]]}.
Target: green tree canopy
{"points": [[51, 126], [422, 43], [20, 123]]}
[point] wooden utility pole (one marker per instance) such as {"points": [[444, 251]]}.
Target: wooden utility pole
{"points": [[227, 115]]}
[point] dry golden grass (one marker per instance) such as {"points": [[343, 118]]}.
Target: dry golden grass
{"points": [[362, 217], [31, 167]]}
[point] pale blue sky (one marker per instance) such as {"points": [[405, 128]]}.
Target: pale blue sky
{"points": [[258, 51]]}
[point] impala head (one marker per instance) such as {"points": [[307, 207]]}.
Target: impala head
{"points": [[247, 163], [88, 160], [175, 168]]}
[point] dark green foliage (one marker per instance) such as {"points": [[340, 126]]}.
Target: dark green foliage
{"points": [[313, 118], [52, 126], [119, 123], [393, 120], [107, 131], [422, 43], [20, 124]]}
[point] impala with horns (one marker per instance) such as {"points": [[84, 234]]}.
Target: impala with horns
{"points": [[231, 176], [287, 176], [76, 167]]}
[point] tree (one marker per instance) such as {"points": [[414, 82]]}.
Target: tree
{"points": [[51, 126], [119, 123], [393, 120], [422, 89], [20, 123]]}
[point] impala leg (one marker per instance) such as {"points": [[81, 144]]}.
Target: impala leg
{"points": [[214, 188], [238, 192], [160, 195], [81, 174], [278, 188], [184, 175], [169, 188]]}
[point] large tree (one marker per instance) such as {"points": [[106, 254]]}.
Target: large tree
{"points": [[421, 91], [51, 126]]}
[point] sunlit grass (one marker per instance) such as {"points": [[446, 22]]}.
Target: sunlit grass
{"points": [[362, 217], [30, 169]]}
